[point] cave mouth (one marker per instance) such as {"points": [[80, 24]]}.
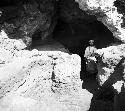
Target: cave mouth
{"points": [[75, 36]]}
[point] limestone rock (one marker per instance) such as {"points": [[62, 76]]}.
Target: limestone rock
{"points": [[107, 13], [28, 20], [108, 58], [111, 64], [41, 80]]}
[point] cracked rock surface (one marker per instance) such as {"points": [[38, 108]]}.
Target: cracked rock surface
{"points": [[109, 12], [108, 58], [30, 18], [111, 73], [40, 80]]}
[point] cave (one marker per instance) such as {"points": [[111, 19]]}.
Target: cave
{"points": [[72, 28], [75, 36], [74, 31], [64, 25]]}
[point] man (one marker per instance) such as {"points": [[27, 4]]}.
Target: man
{"points": [[89, 57], [90, 50]]}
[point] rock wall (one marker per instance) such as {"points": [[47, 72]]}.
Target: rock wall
{"points": [[111, 72], [107, 13], [40, 80], [108, 58], [23, 20]]}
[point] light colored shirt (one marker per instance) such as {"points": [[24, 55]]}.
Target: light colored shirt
{"points": [[89, 51]]}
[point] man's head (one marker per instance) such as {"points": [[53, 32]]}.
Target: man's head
{"points": [[91, 42]]}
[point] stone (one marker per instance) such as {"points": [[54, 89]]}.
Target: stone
{"points": [[108, 58], [110, 64], [29, 20], [107, 13], [40, 80]]}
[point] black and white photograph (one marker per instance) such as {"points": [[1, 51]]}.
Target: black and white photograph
{"points": [[62, 55]]}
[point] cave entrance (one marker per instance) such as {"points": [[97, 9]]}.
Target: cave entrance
{"points": [[75, 36]]}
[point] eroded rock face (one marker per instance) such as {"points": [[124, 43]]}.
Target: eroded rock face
{"points": [[108, 58], [111, 64], [40, 80], [30, 18], [107, 13], [70, 12]]}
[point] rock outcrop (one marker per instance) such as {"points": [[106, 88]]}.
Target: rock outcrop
{"points": [[30, 18], [40, 80], [108, 58], [111, 64], [107, 13]]}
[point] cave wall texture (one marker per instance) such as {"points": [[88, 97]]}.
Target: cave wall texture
{"points": [[62, 19], [22, 19], [109, 12]]}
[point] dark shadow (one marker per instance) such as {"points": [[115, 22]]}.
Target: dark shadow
{"points": [[103, 99], [89, 80]]}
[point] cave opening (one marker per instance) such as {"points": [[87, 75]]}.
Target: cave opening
{"points": [[75, 36]]}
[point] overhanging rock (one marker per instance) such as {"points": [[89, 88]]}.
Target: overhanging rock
{"points": [[40, 80], [107, 13]]}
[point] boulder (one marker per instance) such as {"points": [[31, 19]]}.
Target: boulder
{"points": [[108, 58], [40, 80]]}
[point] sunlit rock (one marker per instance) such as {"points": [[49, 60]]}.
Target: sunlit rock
{"points": [[40, 80], [110, 64], [108, 58], [107, 13]]}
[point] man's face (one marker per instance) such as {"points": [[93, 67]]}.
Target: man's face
{"points": [[91, 42]]}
